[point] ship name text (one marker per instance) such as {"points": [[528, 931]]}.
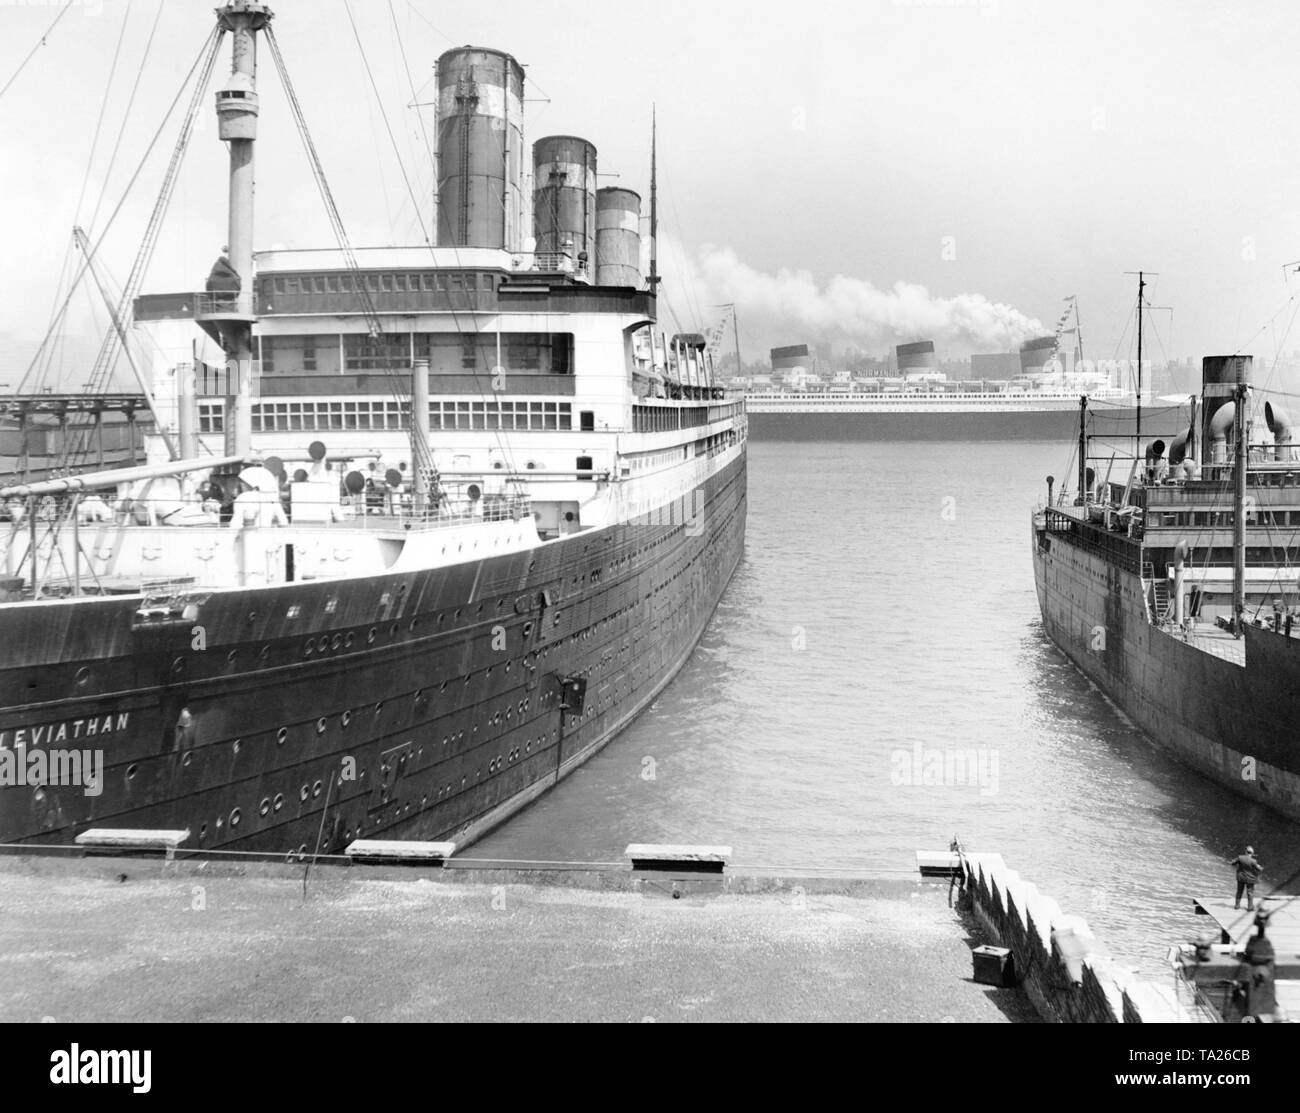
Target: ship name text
{"points": [[51, 734]]}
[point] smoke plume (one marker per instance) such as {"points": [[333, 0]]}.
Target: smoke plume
{"points": [[789, 307]]}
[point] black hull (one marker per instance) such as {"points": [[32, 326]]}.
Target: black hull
{"points": [[1234, 723], [425, 703]]}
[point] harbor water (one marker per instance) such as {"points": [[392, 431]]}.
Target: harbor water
{"points": [[876, 681]]}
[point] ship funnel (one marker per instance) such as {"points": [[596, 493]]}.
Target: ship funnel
{"points": [[916, 360], [1279, 424], [618, 237], [1220, 376], [564, 197], [480, 128], [1157, 467], [1036, 354]]}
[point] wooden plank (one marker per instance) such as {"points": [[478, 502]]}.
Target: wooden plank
{"points": [[1236, 925], [398, 850], [937, 863], [678, 856], [132, 839]]}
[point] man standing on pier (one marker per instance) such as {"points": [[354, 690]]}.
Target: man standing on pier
{"points": [[1248, 871]]}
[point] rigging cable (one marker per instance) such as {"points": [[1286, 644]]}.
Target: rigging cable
{"points": [[126, 115], [347, 6], [84, 266], [39, 43]]}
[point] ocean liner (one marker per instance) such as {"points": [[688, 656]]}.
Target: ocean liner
{"points": [[440, 520], [1040, 402], [1169, 581]]}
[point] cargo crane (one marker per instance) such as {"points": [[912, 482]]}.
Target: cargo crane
{"points": [[719, 331]]}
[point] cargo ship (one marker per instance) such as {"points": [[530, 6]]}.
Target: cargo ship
{"points": [[428, 528], [1040, 402], [1169, 581]]}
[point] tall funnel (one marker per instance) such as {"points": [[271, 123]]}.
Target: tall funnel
{"points": [[564, 195], [1220, 376], [618, 237], [1035, 354], [480, 127], [916, 359]]}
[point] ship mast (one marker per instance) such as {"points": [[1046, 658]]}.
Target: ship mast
{"points": [[237, 111], [1239, 510], [1141, 286], [654, 205]]}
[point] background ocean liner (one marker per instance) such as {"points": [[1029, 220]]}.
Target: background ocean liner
{"points": [[284, 662], [1171, 583], [1040, 402]]}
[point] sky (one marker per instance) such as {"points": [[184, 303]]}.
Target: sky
{"points": [[855, 173]]}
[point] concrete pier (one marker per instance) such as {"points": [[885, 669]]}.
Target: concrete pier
{"points": [[131, 939]]}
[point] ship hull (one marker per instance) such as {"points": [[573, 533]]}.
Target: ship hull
{"points": [[937, 424], [1230, 722], [418, 705]]}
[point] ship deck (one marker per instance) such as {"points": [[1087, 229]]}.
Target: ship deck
{"points": [[1213, 640], [122, 939], [1236, 925]]}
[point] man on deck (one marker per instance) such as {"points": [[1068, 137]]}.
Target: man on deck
{"points": [[1248, 871], [223, 278]]}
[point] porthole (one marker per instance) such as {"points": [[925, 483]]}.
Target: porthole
{"points": [[235, 816], [232, 657], [370, 637], [379, 707], [346, 718], [321, 725], [264, 654], [347, 641], [189, 757], [281, 735], [83, 675], [264, 807], [392, 630], [336, 642], [203, 832], [309, 648], [528, 629], [130, 772], [315, 790], [304, 792], [278, 803], [235, 745], [178, 666]]}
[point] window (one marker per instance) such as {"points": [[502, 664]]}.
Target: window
{"points": [[584, 464], [587, 421]]}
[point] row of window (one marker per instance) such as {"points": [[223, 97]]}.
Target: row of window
{"points": [[328, 354], [285, 417], [1223, 518], [504, 415], [377, 282]]}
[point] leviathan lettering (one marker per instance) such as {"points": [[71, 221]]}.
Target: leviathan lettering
{"points": [[51, 734]]}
